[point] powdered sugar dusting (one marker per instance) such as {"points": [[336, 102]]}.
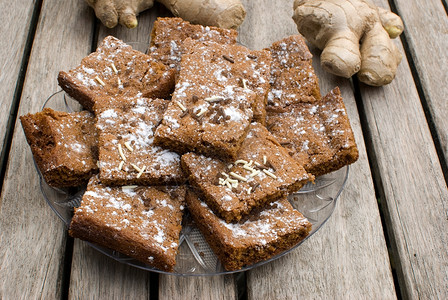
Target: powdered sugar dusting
{"points": [[315, 133], [138, 118]]}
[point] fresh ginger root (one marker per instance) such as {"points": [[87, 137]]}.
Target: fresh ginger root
{"points": [[338, 27], [220, 13], [110, 12]]}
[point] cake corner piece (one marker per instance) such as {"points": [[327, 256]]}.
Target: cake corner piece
{"points": [[64, 145], [141, 222], [266, 233]]}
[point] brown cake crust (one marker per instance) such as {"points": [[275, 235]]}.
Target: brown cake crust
{"points": [[262, 172], [126, 128], [168, 34], [211, 80], [267, 232], [143, 223], [64, 145], [115, 69], [317, 135], [292, 75]]}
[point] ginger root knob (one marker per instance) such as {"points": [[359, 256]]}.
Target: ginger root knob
{"points": [[220, 13], [338, 27], [125, 12]]}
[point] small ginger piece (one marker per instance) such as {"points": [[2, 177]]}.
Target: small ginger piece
{"points": [[338, 27], [125, 12], [219, 13]]}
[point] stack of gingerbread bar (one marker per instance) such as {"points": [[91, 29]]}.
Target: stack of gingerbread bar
{"points": [[198, 121]]}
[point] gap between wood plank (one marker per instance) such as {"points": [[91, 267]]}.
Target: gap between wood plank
{"points": [[66, 272], [423, 99], [95, 34], [241, 285], [10, 125], [153, 285], [445, 5], [378, 187]]}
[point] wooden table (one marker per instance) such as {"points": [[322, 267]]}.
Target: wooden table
{"points": [[387, 238]]}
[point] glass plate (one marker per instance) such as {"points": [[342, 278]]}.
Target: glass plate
{"points": [[315, 201]]}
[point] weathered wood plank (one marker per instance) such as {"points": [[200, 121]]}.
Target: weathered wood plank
{"points": [[218, 287], [32, 238], [263, 26], [427, 35], [411, 182], [96, 276], [13, 39], [93, 275], [348, 257], [221, 287]]}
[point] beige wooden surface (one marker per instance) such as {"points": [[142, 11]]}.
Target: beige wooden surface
{"points": [[220, 287], [411, 184], [348, 258], [215, 287], [427, 36], [32, 237], [96, 276], [13, 35]]}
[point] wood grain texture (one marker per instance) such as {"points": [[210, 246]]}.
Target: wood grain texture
{"points": [[266, 22], [32, 238], [426, 32], [221, 287], [412, 183], [96, 276], [205, 287], [12, 40], [347, 258]]}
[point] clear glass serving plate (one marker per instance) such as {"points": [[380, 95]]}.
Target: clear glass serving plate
{"points": [[195, 258]]}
